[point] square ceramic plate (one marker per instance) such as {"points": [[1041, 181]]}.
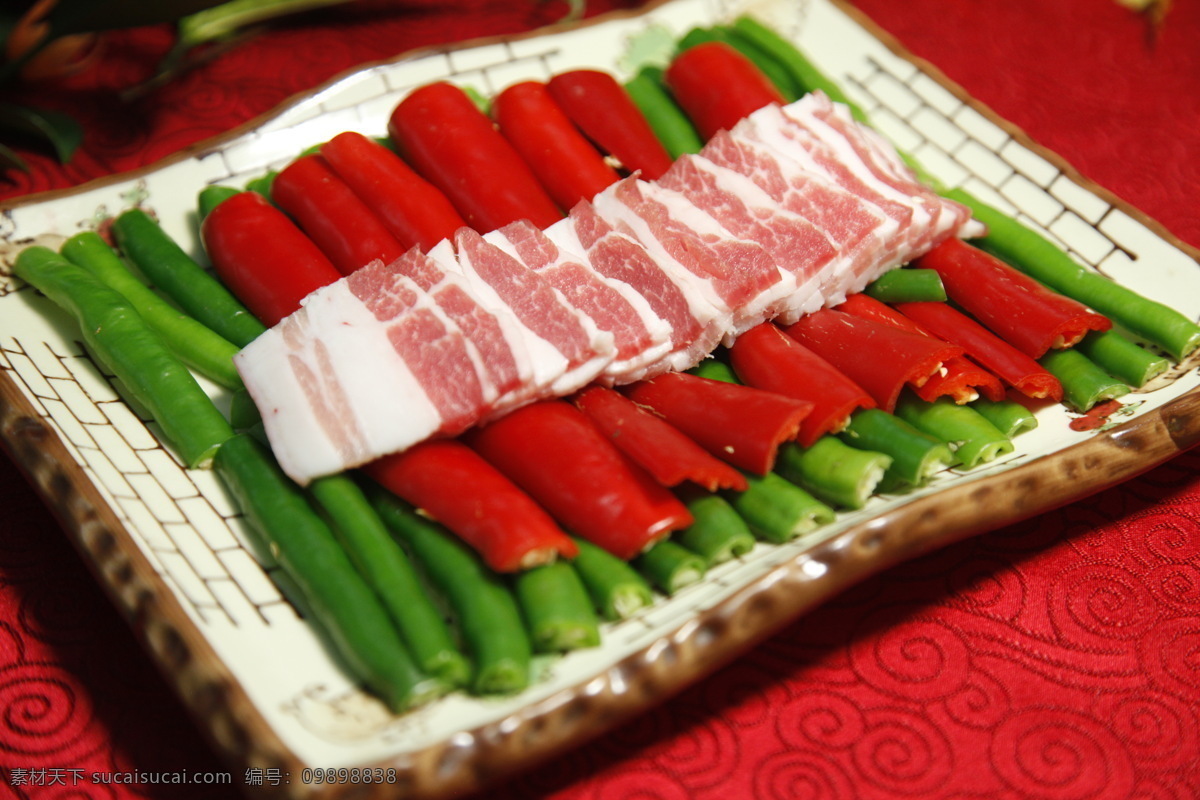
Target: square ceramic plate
{"points": [[171, 548]]}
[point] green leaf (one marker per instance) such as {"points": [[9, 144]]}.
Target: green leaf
{"points": [[60, 130], [84, 16], [10, 160]]}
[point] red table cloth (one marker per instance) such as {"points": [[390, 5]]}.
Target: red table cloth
{"points": [[1056, 658]]}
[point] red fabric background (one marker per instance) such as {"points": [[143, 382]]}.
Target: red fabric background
{"points": [[1058, 658]]}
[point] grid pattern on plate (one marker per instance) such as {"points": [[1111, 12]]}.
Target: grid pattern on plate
{"points": [[179, 517]]}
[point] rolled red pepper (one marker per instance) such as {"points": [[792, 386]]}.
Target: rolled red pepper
{"points": [[263, 257], [961, 379], [332, 215], [717, 86], [567, 164], [601, 107], [448, 140], [741, 425], [766, 358], [413, 209], [654, 444], [554, 452], [878, 357], [1007, 362], [1008, 302], [452, 484]]}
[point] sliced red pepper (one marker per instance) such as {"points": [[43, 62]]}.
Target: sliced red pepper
{"points": [[332, 215], [453, 485], [554, 452], [653, 443], [566, 163], [1011, 365], [717, 86], [960, 379], [1008, 302], [448, 140], [741, 425], [263, 257], [878, 357], [766, 358], [601, 107], [413, 209]]}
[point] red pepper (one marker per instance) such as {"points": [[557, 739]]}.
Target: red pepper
{"points": [[766, 358], [1011, 365], [263, 257], [653, 443], [717, 86], [1008, 302], [410, 207], [877, 357], [332, 215], [552, 451], [566, 163], [961, 379], [607, 115], [738, 424], [452, 484], [448, 140]]}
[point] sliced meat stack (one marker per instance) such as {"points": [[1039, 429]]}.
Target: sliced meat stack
{"points": [[789, 212]]}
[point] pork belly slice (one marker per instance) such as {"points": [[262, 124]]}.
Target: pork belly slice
{"points": [[583, 349], [640, 337], [341, 381], [736, 275], [493, 335], [859, 227], [695, 322]]}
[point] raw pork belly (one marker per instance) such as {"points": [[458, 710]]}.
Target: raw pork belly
{"points": [[790, 211]]}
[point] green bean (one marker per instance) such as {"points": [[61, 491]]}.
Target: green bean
{"points": [[212, 196], [908, 285], [196, 345], [916, 455], [1084, 383], [833, 471], [715, 369], [174, 272], [973, 439], [778, 510], [262, 184], [668, 121], [616, 588], [777, 72], [243, 413], [670, 566], [1009, 416], [389, 572], [558, 611], [484, 607], [803, 71], [121, 340], [341, 602], [1033, 254], [1122, 358], [718, 534]]}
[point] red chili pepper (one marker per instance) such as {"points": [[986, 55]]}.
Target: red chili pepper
{"points": [[877, 357], [961, 379], [566, 163], [653, 443], [452, 484], [717, 86], [554, 452], [263, 257], [607, 115], [410, 207], [341, 224], [1011, 365], [453, 144], [738, 424], [1008, 302], [766, 358]]}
